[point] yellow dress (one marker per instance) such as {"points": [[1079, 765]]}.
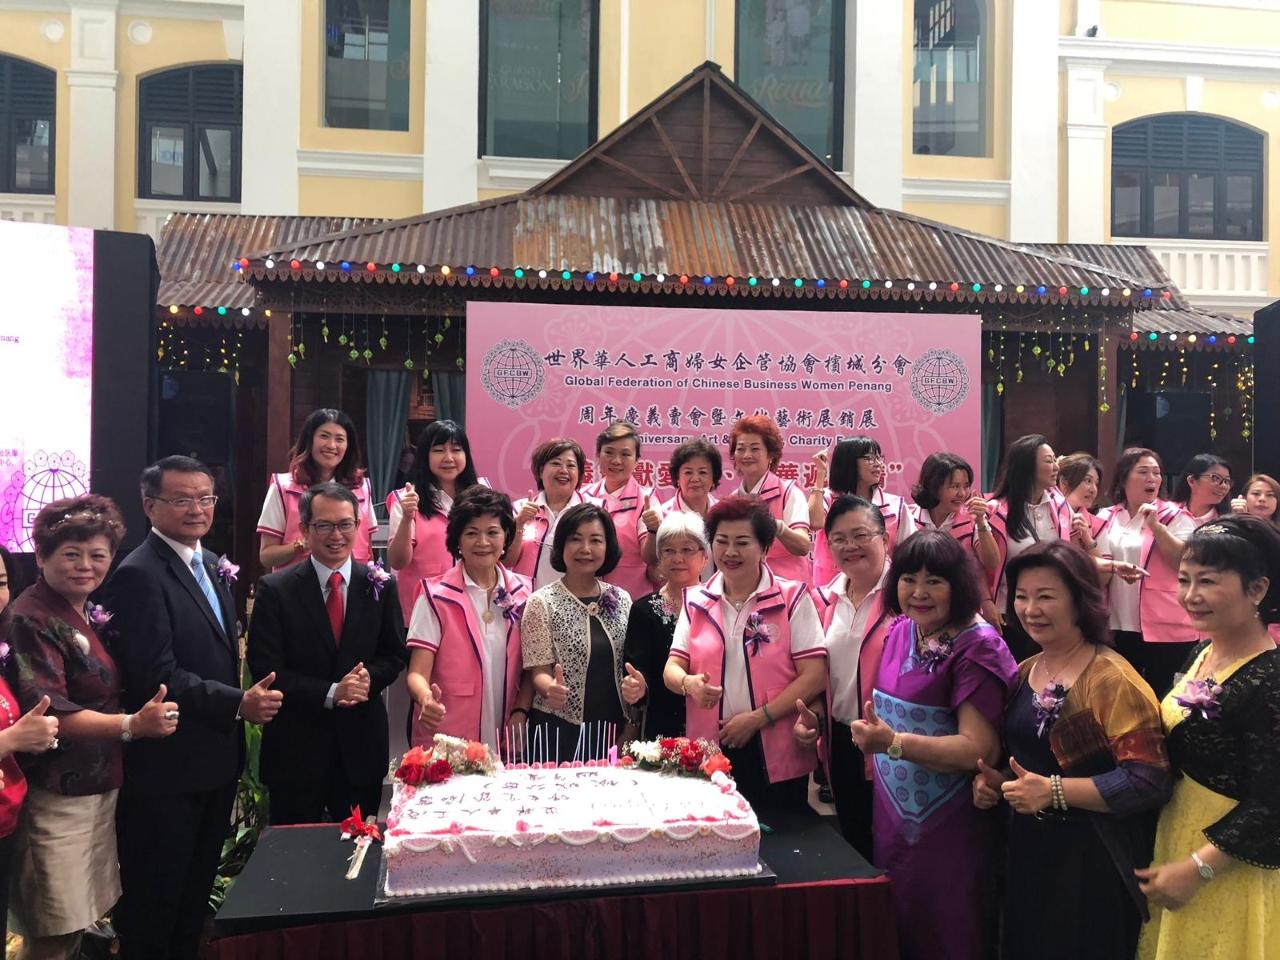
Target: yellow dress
{"points": [[1237, 915]]}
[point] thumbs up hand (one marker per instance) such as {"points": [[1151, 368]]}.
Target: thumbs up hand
{"points": [[556, 693], [528, 510], [157, 718], [650, 517], [431, 709], [805, 729], [409, 502], [871, 734], [33, 733], [633, 685], [986, 787], [260, 703], [1027, 792]]}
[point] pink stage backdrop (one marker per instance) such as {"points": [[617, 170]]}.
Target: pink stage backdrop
{"points": [[46, 372], [534, 371]]}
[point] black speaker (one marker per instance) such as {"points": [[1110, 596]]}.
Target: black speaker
{"points": [[1266, 391], [197, 409], [1174, 425]]}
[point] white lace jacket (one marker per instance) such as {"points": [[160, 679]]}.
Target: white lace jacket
{"points": [[556, 628]]}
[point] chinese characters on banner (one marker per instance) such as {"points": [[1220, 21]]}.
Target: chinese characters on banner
{"points": [[536, 371]]}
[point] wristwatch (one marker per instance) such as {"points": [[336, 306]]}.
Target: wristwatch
{"points": [[125, 733], [895, 747], [1206, 871]]}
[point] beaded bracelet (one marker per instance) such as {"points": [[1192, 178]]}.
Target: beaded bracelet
{"points": [[1057, 796]]}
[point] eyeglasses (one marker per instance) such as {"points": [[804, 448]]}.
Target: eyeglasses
{"points": [[857, 540], [873, 458], [324, 527], [185, 503], [1216, 480], [684, 553]]}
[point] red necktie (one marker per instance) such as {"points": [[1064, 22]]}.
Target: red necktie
{"points": [[334, 605]]}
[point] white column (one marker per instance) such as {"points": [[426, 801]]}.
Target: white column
{"points": [[91, 82], [1033, 134], [451, 105], [1086, 151], [873, 100], [272, 106]]}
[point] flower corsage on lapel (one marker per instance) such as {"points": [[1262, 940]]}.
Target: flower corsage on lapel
{"points": [[932, 651], [227, 571], [99, 616], [757, 632], [512, 609], [378, 578], [1048, 703], [1202, 696], [609, 603]]}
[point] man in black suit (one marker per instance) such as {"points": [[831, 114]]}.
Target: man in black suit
{"points": [[174, 623], [331, 632]]}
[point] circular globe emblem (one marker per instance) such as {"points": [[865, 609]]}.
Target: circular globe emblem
{"points": [[512, 373], [49, 477], [939, 381]]}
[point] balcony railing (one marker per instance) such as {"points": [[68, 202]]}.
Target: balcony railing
{"points": [[150, 215], [1225, 275], [27, 207]]}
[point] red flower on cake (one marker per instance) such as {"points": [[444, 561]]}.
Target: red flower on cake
{"points": [[413, 767], [669, 743], [626, 761], [439, 771], [477, 752], [691, 756], [717, 763]]}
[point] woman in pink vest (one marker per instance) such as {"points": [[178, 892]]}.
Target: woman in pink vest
{"points": [[557, 469], [1138, 549], [618, 491], [465, 670], [1080, 480], [857, 468], [855, 621], [1026, 508], [747, 646], [327, 449], [755, 446], [1203, 488], [942, 498], [939, 698], [695, 470], [418, 514]]}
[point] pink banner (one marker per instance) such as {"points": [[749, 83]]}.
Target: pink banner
{"points": [[534, 371]]}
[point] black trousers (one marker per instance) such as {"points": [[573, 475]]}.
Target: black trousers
{"points": [[786, 796], [1157, 662], [328, 802], [851, 788], [169, 848]]}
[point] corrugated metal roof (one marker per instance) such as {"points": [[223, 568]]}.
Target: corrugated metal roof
{"points": [[673, 237], [196, 249]]}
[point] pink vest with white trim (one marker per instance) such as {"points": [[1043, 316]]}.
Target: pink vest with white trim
{"points": [[999, 520], [1161, 618], [891, 507], [773, 493], [430, 557], [632, 573], [535, 535], [291, 493], [768, 673], [457, 668]]}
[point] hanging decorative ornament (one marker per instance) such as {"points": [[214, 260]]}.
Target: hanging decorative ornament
{"points": [[293, 360], [324, 331], [426, 374], [408, 363], [354, 354], [302, 350], [342, 338]]}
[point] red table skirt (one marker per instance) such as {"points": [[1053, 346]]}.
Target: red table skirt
{"points": [[841, 919]]}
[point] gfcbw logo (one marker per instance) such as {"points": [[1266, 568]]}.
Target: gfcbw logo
{"points": [[939, 381], [512, 373]]}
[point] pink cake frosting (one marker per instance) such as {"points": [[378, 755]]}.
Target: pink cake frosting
{"points": [[566, 827]]}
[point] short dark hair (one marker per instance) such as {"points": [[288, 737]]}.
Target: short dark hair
{"points": [[618, 430], [302, 467], [935, 473], [1246, 545], [1124, 466], [473, 503], [943, 556], [152, 478], [847, 503], [691, 450], [1078, 571], [437, 434], [575, 517], [844, 462], [1072, 470], [333, 491], [75, 520], [1199, 464], [743, 507], [544, 453]]}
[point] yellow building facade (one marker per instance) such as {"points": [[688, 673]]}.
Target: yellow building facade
{"points": [[1083, 121]]}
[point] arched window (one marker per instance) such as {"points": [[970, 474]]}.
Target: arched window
{"points": [[790, 57], [949, 82], [28, 95], [1187, 176], [189, 134]]}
